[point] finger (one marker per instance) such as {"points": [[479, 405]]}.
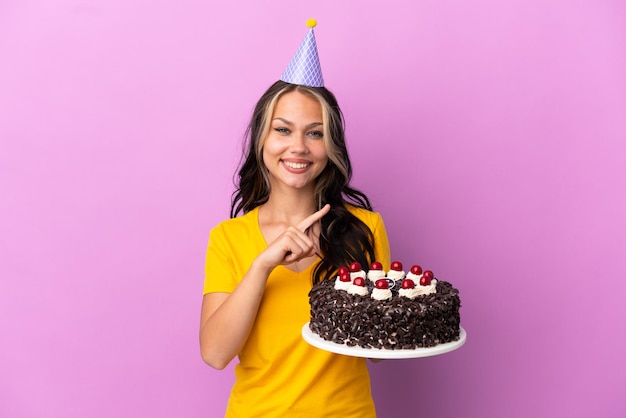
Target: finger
{"points": [[311, 219], [300, 243], [297, 256], [296, 252]]}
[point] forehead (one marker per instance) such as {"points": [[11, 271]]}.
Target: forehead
{"points": [[298, 105]]}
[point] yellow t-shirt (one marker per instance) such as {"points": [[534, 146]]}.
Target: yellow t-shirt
{"points": [[279, 374]]}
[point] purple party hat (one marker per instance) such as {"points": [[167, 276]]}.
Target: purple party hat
{"points": [[304, 68]]}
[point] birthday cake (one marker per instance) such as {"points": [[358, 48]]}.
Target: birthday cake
{"points": [[390, 310]]}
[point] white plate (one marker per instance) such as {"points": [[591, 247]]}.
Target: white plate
{"points": [[356, 351]]}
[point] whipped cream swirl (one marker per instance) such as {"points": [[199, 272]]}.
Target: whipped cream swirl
{"points": [[381, 294], [357, 290], [339, 285], [374, 275], [419, 290], [409, 293], [427, 290], [396, 274]]}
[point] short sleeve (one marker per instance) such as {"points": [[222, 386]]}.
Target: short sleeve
{"points": [[219, 269]]}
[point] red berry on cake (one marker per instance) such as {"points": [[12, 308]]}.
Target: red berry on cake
{"points": [[342, 270], [429, 274], [344, 277], [354, 267], [376, 266], [425, 280], [408, 284], [359, 281], [382, 284], [376, 271], [381, 291], [415, 269], [396, 272], [396, 265]]}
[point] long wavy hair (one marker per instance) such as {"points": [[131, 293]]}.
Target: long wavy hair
{"points": [[343, 238]]}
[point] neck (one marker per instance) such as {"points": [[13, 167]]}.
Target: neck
{"points": [[290, 207]]}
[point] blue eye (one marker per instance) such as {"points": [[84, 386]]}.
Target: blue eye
{"points": [[316, 134], [283, 131]]}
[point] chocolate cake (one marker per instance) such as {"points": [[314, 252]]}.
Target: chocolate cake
{"points": [[415, 311]]}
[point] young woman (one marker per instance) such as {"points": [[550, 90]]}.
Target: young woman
{"points": [[301, 221]]}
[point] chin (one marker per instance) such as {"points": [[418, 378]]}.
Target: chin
{"points": [[298, 184]]}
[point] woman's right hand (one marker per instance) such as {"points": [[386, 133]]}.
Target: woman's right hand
{"points": [[295, 243]]}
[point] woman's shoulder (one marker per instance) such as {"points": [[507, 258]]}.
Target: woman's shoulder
{"points": [[368, 216], [242, 222]]}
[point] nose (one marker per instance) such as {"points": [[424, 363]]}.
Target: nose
{"points": [[298, 144]]}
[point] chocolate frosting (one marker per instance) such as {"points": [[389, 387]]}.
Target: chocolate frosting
{"points": [[397, 323]]}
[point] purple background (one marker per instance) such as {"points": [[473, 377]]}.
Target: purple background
{"points": [[489, 134]]}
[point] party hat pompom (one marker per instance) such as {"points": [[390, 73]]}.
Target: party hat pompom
{"points": [[304, 68]]}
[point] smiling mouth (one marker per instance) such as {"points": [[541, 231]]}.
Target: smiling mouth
{"points": [[297, 166]]}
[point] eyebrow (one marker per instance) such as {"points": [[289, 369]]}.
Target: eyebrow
{"points": [[287, 122]]}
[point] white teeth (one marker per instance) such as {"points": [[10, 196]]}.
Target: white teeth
{"points": [[296, 165]]}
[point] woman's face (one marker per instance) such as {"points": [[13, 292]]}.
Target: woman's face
{"points": [[294, 151]]}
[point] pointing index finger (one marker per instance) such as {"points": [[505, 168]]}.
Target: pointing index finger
{"points": [[311, 219]]}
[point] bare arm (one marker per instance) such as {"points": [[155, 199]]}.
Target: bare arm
{"points": [[227, 318]]}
